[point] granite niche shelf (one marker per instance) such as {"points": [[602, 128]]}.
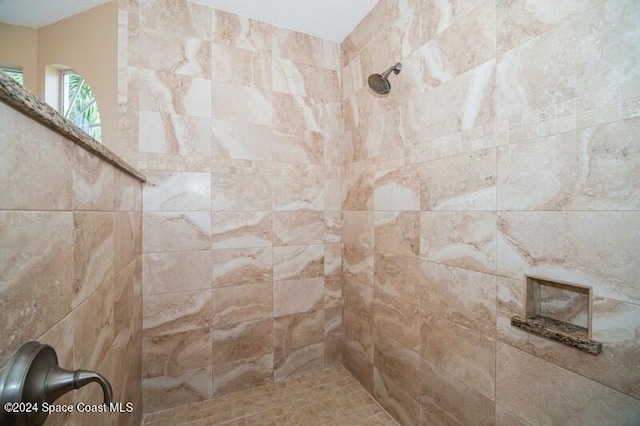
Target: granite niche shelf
{"points": [[559, 331], [558, 311]]}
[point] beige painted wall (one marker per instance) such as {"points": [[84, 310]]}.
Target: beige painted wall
{"points": [[88, 43], [18, 48]]}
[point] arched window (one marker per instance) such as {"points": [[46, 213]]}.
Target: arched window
{"points": [[79, 104]]}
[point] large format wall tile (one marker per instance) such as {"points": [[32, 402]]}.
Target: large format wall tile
{"points": [[37, 283], [174, 134], [177, 192], [239, 192], [461, 352], [242, 266], [241, 229], [294, 296], [591, 169], [398, 232], [25, 164], [545, 243], [162, 271], [296, 262], [241, 66], [162, 91], [521, 377], [241, 303], [462, 239], [168, 51], [175, 231]]}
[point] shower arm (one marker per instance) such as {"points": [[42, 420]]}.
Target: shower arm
{"points": [[395, 68]]}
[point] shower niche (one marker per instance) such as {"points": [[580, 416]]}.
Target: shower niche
{"points": [[558, 311]]}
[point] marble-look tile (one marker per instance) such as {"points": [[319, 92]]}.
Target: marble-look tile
{"points": [[358, 229], [166, 51], [127, 238], [357, 264], [162, 392], [26, 164], [358, 192], [592, 169], [176, 231], [36, 264], [241, 66], [333, 336], [298, 227], [608, 266], [241, 266], [358, 333], [296, 262], [464, 182], [127, 193], [398, 318], [176, 271], [237, 31], [177, 191], [243, 374], [505, 418], [240, 103], [299, 147], [332, 225], [241, 303], [467, 43], [241, 229], [162, 91], [360, 366], [299, 113], [174, 134], [299, 361], [448, 401], [394, 399], [305, 80], [533, 388], [305, 49], [358, 298], [298, 193], [466, 355], [333, 261], [177, 17], [332, 194], [172, 354], [93, 257], [241, 341], [93, 182], [462, 239], [297, 330], [93, 331], [295, 296], [398, 232], [594, 51], [465, 297], [176, 312], [332, 293], [397, 189], [522, 20], [399, 276], [240, 192], [437, 16], [238, 140], [614, 324], [399, 362]]}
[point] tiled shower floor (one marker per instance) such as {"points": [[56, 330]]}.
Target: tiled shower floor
{"points": [[326, 397]]}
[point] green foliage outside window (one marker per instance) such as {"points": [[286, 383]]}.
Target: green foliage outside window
{"points": [[15, 74], [79, 105]]}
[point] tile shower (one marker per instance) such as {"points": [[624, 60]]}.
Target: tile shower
{"points": [[292, 221]]}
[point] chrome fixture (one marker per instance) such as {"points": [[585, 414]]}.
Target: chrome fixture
{"points": [[379, 83], [33, 376]]}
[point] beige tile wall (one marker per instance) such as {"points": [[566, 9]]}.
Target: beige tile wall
{"points": [[239, 127], [70, 262], [508, 146]]}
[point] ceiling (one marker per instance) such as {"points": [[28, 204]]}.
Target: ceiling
{"points": [[40, 13], [328, 19]]}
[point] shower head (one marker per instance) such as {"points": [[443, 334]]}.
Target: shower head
{"points": [[379, 83]]}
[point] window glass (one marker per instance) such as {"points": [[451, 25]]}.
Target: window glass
{"points": [[14, 73], [79, 104]]}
